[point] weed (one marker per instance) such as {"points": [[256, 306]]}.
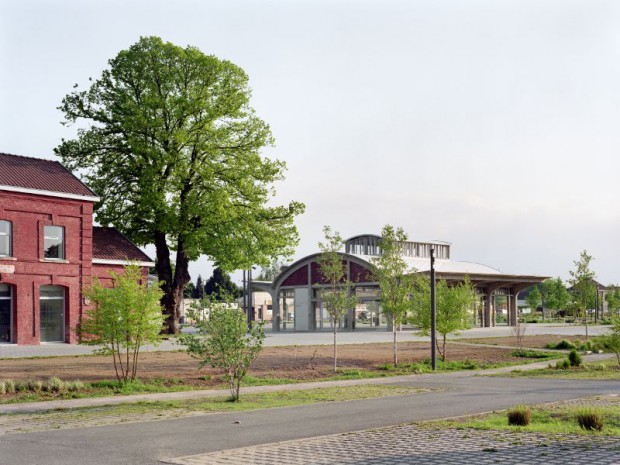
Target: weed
{"points": [[590, 420], [519, 416]]}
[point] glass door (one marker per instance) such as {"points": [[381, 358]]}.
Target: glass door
{"points": [[52, 314], [5, 313]]}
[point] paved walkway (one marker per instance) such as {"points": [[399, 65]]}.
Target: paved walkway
{"points": [[321, 338], [412, 444]]}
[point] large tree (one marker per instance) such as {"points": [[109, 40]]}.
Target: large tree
{"points": [[554, 294], [169, 141], [395, 281]]}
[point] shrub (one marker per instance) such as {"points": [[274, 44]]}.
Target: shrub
{"points": [[590, 420], [10, 386], [519, 416], [574, 358], [35, 386], [55, 384], [563, 364], [564, 345], [73, 386], [2, 388]]}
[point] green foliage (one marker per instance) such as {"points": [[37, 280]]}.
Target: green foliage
{"points": [[583, 288], [339, 296], [395, 281], [220, 287], [454, 304], [271, 271], [519, 416], [562, 345], [525, 353], [534, 298], [563, 364], [122, 319], [554, 294], [612, 341], [169, 141], [613, 298], [590, 419], [574, 358], [223, 342]]}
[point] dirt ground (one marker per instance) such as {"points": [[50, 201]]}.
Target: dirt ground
{"points": [[298, 362]]}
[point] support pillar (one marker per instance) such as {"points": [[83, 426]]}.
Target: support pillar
{"points": [[488, 309], [513, 312]]}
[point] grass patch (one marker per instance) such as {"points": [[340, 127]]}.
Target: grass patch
{"points": [[592, 370], [549, 419], [255, 401]]}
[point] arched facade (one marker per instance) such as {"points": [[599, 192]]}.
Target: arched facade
{"points": [[296, 291]]}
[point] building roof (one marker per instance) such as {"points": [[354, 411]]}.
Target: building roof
{"points": [[42, 177], [109, 245], [442, 266]]}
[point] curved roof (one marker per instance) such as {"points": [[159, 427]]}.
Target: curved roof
{"points": [[442, 266]]}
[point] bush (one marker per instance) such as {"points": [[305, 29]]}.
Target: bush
{"points": [[590, 420], [35, 386], [564, 345], [55, 384], [563, 364], [73, 386], [10, 386], [519, 416], [575, 358]]}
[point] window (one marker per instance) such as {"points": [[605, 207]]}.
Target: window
{"points": [[5, 313], [5, 238], [52, 318], [54, 246]]}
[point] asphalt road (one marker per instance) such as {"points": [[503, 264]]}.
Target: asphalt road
{"points": [[149, 442]]}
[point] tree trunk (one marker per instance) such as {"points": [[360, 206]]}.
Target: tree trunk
{"points": [[394, 347], [335, 346], [172, 286]]}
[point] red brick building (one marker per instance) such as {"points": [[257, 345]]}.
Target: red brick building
{"points": [[50, 250]]}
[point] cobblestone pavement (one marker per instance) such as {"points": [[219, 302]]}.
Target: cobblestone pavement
{"points": [[411, 444]]}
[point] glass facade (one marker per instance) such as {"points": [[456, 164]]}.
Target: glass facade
{"points": [[54, 246], [5, 238], [6, 307], [52, 302]]}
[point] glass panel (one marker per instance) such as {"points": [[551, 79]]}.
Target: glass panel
{"points": [[5, 290], [52, 314], [54, 242], [5, 238]]}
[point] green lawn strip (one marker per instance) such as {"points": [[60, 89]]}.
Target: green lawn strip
{"points": [[590, 370], [249, 401], [549, 419]]}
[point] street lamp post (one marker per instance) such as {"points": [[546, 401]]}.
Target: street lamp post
{"points": [[433, 313]]}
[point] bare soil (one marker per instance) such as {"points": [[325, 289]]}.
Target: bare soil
{"points": [[298, 362]]}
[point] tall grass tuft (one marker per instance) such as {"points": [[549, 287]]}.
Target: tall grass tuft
{"points": [[519, 416]]}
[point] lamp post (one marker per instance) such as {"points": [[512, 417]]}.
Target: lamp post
{"points": [[433, 313]]}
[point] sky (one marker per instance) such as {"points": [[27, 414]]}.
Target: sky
{"points": [[493, 125]]}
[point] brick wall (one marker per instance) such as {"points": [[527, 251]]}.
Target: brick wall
{"points": [[29, 214]]}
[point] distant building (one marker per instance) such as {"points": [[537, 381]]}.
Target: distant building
{"points": [[50, 251], [296, 291]]}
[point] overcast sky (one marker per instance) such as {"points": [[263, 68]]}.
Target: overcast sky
{"points": [[494, 125]]}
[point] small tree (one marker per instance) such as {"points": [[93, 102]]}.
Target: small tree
{"points": [[391, 271], [199, 288], [454, 305], [123, 318], [583, 287], [554, 294], [613, 299], [534, 299], [338, 297], [612, 340], [223, 343]]}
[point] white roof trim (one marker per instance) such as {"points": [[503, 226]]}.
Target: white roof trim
{"points": [[63, 195], [103, 261]]}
